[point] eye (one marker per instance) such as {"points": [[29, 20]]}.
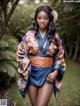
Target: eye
{"points": [[46, 18], [39, 17]]}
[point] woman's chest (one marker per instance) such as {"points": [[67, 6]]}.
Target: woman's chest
{"points": [[36, 47]]}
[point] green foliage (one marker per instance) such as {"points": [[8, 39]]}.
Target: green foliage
{"points": [[68, 26], [7, 8], [7, 55], [3, 44], [21, 20]]}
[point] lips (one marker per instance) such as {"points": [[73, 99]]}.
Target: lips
{"points": [[42, 25]]}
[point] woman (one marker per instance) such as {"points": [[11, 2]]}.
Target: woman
{"points": [[40, 58]]}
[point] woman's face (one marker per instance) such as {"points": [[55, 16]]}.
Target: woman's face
{"points": [[42, 20]]}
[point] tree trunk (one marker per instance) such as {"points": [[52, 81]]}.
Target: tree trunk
{"points": [[65, 50], [70, 50], [4, 21], [76, 49]]}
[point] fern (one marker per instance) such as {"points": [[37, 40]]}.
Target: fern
{"points": [[8, 68], [7, 55], [8, 46], [3, 44]]}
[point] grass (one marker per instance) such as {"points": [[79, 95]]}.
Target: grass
{"points": [[70, 93]]}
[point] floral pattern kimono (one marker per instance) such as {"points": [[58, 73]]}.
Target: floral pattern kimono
{"points": [[36, 58]]}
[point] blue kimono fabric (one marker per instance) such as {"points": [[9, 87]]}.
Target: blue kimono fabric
{"points": [[37, 77]]}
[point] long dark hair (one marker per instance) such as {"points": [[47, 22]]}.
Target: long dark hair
{"points": [[51, 26]]}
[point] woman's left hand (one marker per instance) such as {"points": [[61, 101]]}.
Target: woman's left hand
{"points": [[51, 77]]}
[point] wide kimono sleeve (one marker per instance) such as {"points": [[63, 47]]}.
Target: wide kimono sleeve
{"points": [[59, 62], [59, 65], [22, 55]]}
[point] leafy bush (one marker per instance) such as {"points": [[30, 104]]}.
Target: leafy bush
{"points": [[7, 58]]}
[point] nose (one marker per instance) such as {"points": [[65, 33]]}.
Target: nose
{"points": [[42, 20]]}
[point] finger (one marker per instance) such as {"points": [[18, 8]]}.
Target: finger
{"points": [[48, 76], [50, 80]]}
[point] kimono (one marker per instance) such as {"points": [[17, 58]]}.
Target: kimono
{"points": [[36, 58]]}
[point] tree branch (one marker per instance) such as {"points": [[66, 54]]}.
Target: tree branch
{"points": [[3, 27]]}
